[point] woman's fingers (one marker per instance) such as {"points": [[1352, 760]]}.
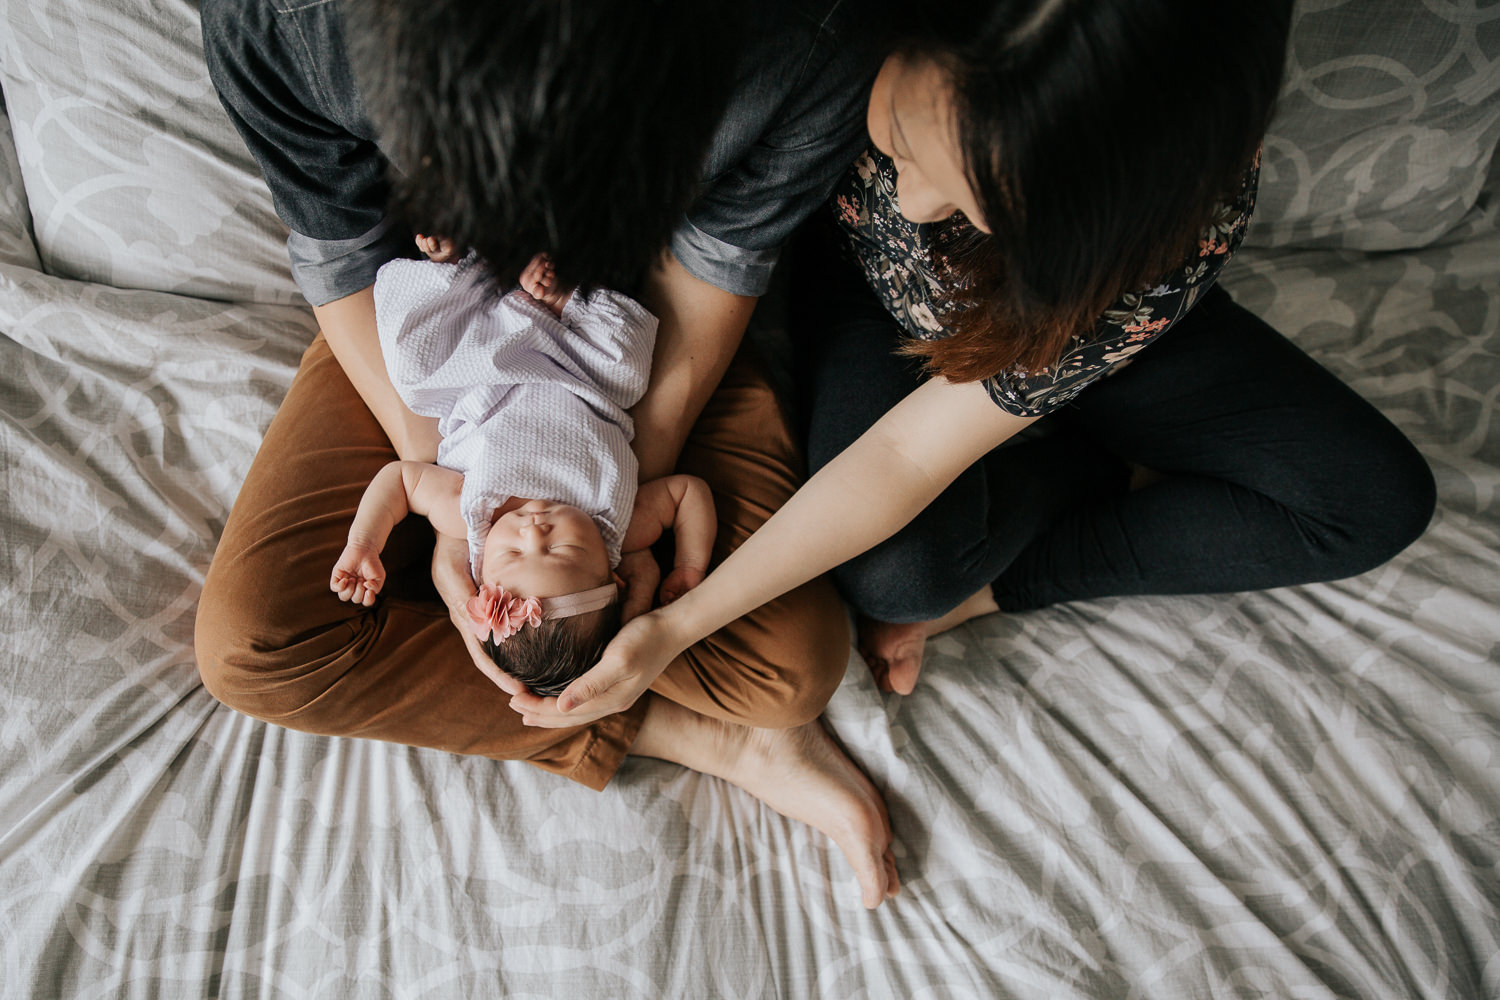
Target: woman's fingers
{"points": [[604, 696]]}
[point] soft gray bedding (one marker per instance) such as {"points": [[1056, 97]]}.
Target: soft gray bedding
{"points": [[1286, 794]]}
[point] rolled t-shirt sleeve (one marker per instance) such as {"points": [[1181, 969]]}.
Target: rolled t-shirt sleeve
{"points": [[283, 78], [797, 120]]}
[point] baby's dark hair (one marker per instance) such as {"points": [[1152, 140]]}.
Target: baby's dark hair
{"points": [[550, 656]]}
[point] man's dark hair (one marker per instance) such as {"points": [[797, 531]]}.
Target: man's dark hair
{"points": [[550, 656], [574, 127], [1099, 137]]}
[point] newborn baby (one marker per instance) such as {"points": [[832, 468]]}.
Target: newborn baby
{"points": [[531, 391]]}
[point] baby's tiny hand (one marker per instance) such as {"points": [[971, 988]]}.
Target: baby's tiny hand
{"points": [[358, 575], [438, 248], [678, 582]]}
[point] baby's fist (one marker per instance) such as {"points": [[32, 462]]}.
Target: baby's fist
{"points": [[357, 576], [678, 582]]}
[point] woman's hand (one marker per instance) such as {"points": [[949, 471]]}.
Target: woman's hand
{"points": [[451, 576], [630, 664]]}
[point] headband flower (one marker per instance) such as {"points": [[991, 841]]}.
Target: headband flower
{"points": [[495, 611]]}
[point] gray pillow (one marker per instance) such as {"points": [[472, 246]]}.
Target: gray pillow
{"points": [[1386, 126], [16, 246], [134, 176]]}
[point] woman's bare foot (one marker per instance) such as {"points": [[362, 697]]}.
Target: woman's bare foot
{"points": [[894, 651], [801, 773]]}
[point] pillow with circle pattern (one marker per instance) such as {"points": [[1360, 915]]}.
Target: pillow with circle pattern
{"points": [[1386, 124]]}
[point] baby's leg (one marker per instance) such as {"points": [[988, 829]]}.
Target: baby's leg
{"points": [[274, 642]]}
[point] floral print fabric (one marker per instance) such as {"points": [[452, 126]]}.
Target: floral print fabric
{"points": [[904, 263]]}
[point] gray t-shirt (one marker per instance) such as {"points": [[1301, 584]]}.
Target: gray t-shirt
{"points": [[796, 119]]}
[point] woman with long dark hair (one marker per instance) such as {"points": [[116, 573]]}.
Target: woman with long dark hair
{"points": [[1023, 386]]}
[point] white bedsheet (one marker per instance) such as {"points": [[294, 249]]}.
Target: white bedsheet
{"points": [[1285, 794], [1291, 793]]}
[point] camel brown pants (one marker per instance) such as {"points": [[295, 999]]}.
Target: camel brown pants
{"points": [[275, 643]]}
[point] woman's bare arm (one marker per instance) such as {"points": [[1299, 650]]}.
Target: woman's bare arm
{"points": [[865, 495]]}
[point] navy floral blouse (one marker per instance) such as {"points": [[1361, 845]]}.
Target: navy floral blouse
{"points": [[903, 261]]}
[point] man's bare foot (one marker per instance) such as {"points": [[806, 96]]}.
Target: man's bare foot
{"points": [[801, 773], [893, 650]]}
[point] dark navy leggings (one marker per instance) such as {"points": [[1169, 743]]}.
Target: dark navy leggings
{"points": [[1274, 472]]}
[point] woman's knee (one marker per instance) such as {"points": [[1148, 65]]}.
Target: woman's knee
{"points": [[1385, 508], [912, 579], [1405, 500]]}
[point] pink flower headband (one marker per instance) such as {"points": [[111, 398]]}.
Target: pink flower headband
{"points": [[495, 611]]}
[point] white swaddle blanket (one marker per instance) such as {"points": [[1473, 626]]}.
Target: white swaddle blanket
{"points": [[529, 404]]}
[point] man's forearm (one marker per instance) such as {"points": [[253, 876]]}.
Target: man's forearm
{"points": [[700, 329], [348, 324]]}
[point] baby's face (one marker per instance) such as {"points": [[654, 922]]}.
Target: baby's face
{"points": [[545, 549]]}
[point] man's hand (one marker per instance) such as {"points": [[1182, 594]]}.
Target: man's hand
{"points": [[451, 576], [640, 573]]}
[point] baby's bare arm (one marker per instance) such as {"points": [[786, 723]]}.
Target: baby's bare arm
{"points": [[694, 523], [382, 507], [433, 492], [684, 504], [401, 488], [397, 489], [359, 575]]}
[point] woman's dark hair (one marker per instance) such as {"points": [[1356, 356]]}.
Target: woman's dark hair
{"points": [[1099, 137], [575, 127], [550, 656]]}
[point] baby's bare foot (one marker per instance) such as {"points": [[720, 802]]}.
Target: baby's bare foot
{"points": [[801, 773], [539, 280], [894, 650], [438, 248]]}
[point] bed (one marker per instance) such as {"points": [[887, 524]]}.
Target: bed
{"points": [[1291, 794]]}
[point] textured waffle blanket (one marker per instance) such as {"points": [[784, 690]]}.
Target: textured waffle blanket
{"points": [[529, 404]]}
